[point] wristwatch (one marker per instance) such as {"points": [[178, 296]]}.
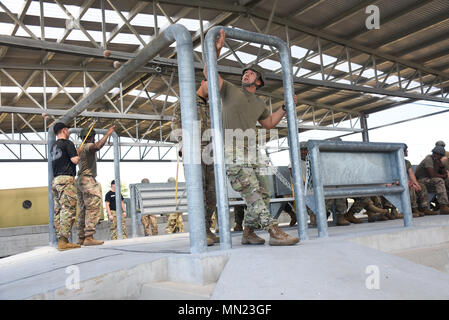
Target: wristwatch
{"points": [[284, 107]]}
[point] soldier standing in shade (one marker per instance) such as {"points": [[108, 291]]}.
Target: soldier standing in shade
{"points": [[241, 110], [64, 159], [89, 193], [149, 220], [111, 209]]}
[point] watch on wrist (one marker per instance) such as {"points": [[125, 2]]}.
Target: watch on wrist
{"points": [[284, 107]]}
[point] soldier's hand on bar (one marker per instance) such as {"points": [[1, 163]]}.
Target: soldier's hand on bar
{"points": [[110, 130], [221, 39]]}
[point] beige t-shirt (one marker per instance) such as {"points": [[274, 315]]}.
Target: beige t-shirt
{"points": [[428, 162], [88, 161], [240, 108]]}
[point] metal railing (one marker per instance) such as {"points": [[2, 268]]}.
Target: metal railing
{"points": [[218, 141], [189, 116]]}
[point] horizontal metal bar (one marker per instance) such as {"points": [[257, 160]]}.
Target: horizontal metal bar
{"points": [[361, 191], [326, 145], [60, 112], [123, 144]]}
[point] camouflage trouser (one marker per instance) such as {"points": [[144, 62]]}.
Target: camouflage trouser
{"points": [[418, 199], [439, 186], [360, 204], [147, 221], [251, 181], [209, 193], [113, 228], [214, 221], [174, 223], [89, 203], [64, 197], [340, 205]]}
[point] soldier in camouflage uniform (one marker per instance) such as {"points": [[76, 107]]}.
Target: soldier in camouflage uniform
{"points": [[174, 221], [207, 168], [418, 192], [432, 173], [241, 110], [372, 207], [89, 193], [149, 220], [340, 209], [64, 159]]}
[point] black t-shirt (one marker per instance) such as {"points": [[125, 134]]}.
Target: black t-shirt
{"points": [[61, 152], [110, 197]]}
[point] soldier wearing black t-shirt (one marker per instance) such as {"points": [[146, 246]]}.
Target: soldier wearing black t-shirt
{"points": [[64, 159], [111, 209]]}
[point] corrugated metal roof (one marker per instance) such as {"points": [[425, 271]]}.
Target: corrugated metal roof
{"points": [[411, 31]]}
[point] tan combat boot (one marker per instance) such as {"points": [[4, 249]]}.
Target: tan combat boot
{"points": [[90, 241], [390, 215], [349, 216], [280, 238], [373, 208], [341, 221], [312, 219], [444, 209], [64, 244], [250, 237], [238, 227], [396, 214], [428, 212], [373, 217], [211, 235], [209, 241], [415, 213]]}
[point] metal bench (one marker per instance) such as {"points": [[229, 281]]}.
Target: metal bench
{"points": [[341, 169], [159, 198]]}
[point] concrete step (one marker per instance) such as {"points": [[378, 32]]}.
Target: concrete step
{"points": [[168, 290]]}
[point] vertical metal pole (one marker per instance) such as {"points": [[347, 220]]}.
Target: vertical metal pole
{"points": [[132, 209], [320, 206], [103, 25], [364, 125], [191, 137], [118, 193], [41, 19], [405, 195], [51, 210]]}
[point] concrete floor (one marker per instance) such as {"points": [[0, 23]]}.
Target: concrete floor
{"points": [[381, 260]]}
